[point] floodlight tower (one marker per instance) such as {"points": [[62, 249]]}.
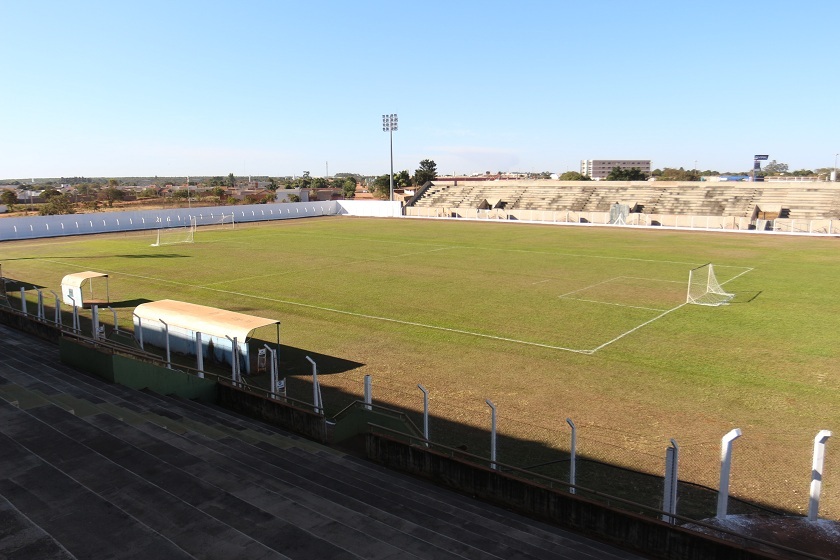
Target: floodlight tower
{"points": [[389, 125]]}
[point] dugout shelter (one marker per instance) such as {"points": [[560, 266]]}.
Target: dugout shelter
{"points": [[72, 289], [218, 328]]}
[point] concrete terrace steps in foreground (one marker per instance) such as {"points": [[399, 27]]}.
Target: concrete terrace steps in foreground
{"points": [[165, 477], [21, 539], [76, 517]]}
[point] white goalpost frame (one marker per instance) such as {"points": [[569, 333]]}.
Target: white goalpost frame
{"points": [[225, 221], [704, 289], [176, 235]]}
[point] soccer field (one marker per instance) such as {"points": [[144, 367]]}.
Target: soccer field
{"points": [[549, 322]]}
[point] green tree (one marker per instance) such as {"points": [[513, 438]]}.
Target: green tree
{"points": [[9, 198], [774, 168], [112, 194], [47, 194], [231, 180], [218, 192], [632, 174], [574, 176], [425, 173], [60, 204], [349, 188], [671, 174], [319, 183], [272, 184], [402, 179], [381, 186]]}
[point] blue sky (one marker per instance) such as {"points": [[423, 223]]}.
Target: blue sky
{"points": [[277, 88]]}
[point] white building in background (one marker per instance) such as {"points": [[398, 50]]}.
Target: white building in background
{"points": [[600, 168]]}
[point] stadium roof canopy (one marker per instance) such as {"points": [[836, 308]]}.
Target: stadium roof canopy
{"points": [[203, 319]]}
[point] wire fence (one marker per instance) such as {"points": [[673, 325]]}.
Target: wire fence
{"points": [[771, 471]]}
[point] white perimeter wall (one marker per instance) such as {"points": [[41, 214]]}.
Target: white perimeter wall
{"points": [[31, 227]]}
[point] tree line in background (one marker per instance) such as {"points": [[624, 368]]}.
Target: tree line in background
{"points": [[91, 195]]}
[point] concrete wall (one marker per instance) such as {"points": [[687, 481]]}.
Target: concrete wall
{"points": [[370, 208], [31, 227], [645, 535], [275, 412], [134, 373], [29, 325]]}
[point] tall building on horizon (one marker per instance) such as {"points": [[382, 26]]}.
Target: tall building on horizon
{"points": [[600, 168]]}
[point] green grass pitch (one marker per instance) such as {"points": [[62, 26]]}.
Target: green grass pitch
{"points": [[549, 322]]}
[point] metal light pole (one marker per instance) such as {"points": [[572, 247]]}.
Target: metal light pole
{"points": [[389, 125], [835, 167]]}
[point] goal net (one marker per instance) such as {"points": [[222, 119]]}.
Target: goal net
{"points": [[220, 221], [704, 289], [174, 235]]}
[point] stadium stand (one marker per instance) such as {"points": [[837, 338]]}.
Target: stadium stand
{"points": [[96, 470], [793, 200]]}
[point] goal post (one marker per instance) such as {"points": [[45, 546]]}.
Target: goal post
{"points": [[175, 235], [704, 289], [221, 221]]}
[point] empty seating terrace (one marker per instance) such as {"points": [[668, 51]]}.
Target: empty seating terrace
{"points": [[795, 200], [95, 470]]}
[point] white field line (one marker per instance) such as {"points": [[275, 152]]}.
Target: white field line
{"points": [[619, 337], [616, 304], [343, 312], [412, 323], [652, 279], [737, 275], [589, 287], [634, 329], [541, 281]]}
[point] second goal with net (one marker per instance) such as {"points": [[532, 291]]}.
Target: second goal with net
{"points": [[218, 221], [174, 235], [704, 289]]}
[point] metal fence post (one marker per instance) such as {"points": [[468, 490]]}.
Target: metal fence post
{"points": [[671, 480], [572, 455], [94, 319], [57, 309], [139, 330], [116, 326], [316, 388], [725, 465], [492, 433], [368, 392], [425, 411], [166, 335], [199, 354], [816, 474]]}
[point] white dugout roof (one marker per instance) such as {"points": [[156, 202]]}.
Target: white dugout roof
{"points": [[203, 319]]}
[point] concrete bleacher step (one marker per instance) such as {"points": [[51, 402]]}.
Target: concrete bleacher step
{"points": [[179, 506], [286, 481], [388, 504], [297, 517], [520, 528], [21, 539], [485, 523], [36, 483], [252, 430]]}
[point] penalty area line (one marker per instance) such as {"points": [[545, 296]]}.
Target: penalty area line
{"points": [[349, 313], [401, 322], [634, 329]]}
